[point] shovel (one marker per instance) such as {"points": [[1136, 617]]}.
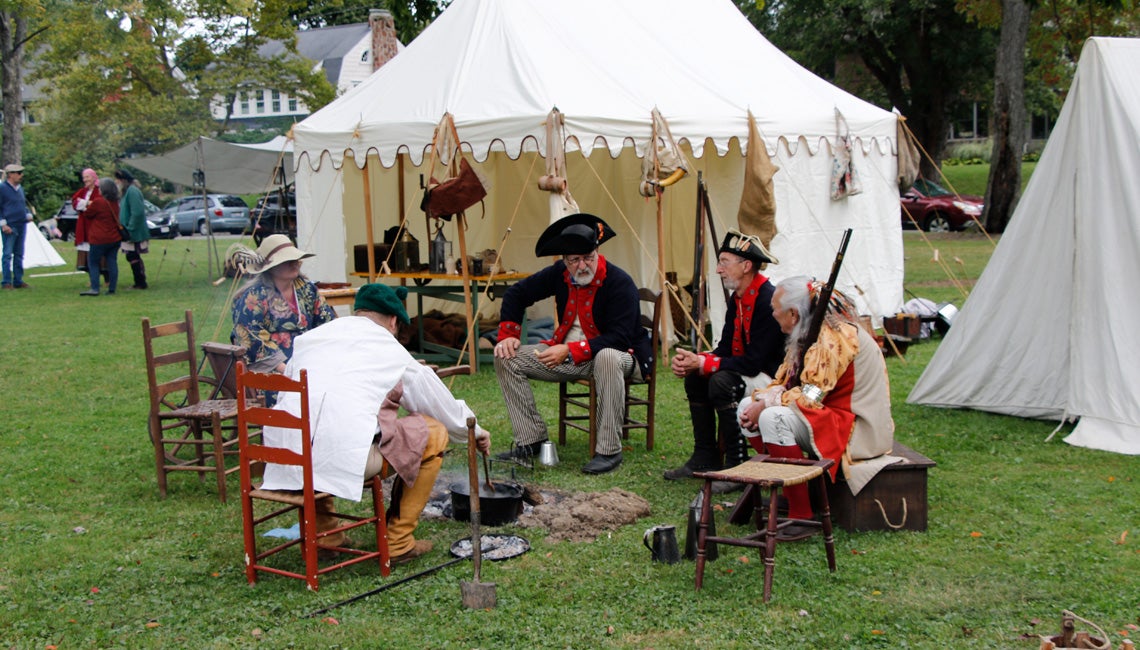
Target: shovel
{"points": [[476, 594]]}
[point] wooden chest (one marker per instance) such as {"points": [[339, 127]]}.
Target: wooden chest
{"points": [[894, 500]]}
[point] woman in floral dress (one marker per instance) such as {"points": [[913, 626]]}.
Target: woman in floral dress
{"points": [[278, 305]]}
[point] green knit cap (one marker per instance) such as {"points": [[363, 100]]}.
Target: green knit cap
{"points": [[383, 299]]}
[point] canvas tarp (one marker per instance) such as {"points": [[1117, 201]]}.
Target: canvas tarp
{"points": [[500, 66], [229, 168], [1048, 332]]}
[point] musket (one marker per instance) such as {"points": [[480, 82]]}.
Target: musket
{"points": [[820, 311], [698, 266]]}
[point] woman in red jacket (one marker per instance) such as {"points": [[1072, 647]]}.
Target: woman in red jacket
{"points": [[103, 236], [80, 200]]}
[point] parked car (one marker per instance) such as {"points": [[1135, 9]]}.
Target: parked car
{"points": [[49, 228], [161, 225], [269, 217], [937, 209], [66, 218], [228, 213]]}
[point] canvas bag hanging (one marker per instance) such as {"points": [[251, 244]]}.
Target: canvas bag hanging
{"points": [[464, 188]]}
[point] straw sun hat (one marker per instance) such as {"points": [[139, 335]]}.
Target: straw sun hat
{"points": [[276, 250]]}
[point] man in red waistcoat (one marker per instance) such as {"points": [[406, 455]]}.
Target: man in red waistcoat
{"points": [[599, 335], [751, 346]]}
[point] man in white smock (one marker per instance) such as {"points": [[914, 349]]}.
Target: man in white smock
{"points": [[359, 375]]}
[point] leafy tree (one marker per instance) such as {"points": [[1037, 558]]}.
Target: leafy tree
{"points": [[14, 38], [410, 16], [925, 55]]}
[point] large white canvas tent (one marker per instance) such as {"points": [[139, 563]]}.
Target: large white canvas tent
{"points": [[1049, 330], [499, 67]]}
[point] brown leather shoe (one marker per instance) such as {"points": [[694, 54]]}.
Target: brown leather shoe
{"points": [[422, 547]]}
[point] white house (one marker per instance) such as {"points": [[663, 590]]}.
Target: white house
{"points": [[347, 54]]}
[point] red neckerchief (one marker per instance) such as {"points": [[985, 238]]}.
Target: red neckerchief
{"points": [[580, 305], [745, 304]]}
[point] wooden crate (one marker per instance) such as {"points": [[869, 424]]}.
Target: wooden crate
{"points": [[899, 488]]}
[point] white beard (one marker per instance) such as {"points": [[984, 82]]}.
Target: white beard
{"points": [[583, 277]]}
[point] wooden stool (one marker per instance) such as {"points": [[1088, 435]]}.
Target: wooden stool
{"points": [[773, 473]]}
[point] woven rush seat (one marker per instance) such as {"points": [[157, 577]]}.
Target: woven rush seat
{"points": [[226, 408], [772, 474]]}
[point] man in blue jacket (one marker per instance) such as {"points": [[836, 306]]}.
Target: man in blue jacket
{"points": [[750, 350], [14, 218], [599, 336]]}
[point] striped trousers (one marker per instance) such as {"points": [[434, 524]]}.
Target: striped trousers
{"points": [[609, 368]]}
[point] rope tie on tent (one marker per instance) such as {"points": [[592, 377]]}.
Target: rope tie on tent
{"points": [[556, 180]]}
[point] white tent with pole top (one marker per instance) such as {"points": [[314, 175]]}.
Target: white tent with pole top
{"points": [[1048, 331], [500, 67]]}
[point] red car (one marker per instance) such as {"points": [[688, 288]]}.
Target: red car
{"points": [[937, 209]]}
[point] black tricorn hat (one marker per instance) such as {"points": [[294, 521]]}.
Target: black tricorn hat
{"points": [[747, 246], [577, 234]]}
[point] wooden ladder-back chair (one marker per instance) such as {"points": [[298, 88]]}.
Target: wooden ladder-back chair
{"points": [[222, 359], [303, 501], [179, 416], [577, 400]]}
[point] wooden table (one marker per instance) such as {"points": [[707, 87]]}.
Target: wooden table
{"points": [[445, 286]]}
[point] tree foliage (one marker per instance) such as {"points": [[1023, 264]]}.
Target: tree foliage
{"points": [[925, 56], [410, 16]]}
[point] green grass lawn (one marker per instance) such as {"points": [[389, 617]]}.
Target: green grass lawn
{"points": [[1019, 529]]}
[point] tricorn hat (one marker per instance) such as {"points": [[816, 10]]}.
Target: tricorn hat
{"points": [[747, 246], [577, 234]]}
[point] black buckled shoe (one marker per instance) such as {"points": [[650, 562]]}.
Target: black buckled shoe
{"points": [[601, 463], [522, 453]]}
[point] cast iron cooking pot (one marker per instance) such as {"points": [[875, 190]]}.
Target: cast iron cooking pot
{"points": [[495, 508]]}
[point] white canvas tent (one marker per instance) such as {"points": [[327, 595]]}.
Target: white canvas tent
{"points": [[1049, 330], [229, 168], [500, 66], [38, 252]]}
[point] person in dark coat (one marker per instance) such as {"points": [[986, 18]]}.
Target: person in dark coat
{"points": [[750, 350], [599, 336]]}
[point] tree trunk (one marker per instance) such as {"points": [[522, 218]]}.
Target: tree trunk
{"points": [[1008, 128], [13, 32]]}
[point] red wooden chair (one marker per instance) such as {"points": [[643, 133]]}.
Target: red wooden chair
{"points": [[302, 501]]}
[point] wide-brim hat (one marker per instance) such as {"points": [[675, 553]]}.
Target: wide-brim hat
{"points": [[577, 234], [14, 167], [382, 299], [276, 250], [747, 246]]}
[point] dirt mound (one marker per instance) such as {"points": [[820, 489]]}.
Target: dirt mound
{"points": [[583, 517]]}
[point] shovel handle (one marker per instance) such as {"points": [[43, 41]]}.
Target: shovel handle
{"points": [[473, 477]]}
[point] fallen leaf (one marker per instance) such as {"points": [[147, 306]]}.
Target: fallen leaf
{"points": [[856, 551], [1111, 479], [330, 620], [256, 632], [548, 553], [876, 593], [94, 590], [609, 630], [876, 631], [743, 559], [967, 631], [1123, 536], [215, 574], [718, 507], [1132, 626], [1034, 621], [975, 534], [150, 625]]}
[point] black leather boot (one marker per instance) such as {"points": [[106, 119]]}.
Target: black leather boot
{"points": [[706, 453]]}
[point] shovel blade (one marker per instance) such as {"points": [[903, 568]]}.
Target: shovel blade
{"points": [[477, 595]]}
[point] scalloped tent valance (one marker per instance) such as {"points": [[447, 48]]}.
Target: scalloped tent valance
{"points": [[500, 66]]}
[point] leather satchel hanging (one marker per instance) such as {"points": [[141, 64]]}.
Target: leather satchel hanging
{"points": [[454, 195]]}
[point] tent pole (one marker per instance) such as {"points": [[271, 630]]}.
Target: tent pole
{"points": [[666, 333], [400, 187], [368, 223], [470, 344]]}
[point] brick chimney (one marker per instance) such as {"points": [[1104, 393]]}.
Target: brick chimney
{"points": [[384, 41]]}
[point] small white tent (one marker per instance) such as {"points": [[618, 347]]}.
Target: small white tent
{"points": [[1049, 330], [38, 251], [500, 66]]}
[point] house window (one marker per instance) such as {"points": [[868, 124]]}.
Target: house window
{"points": [[276, 101], [292, 104], [260, 102], [243, 97]]}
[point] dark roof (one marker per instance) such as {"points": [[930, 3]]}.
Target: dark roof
{"points": [[323, 43]]}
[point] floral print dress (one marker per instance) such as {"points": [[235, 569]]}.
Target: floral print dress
{"points": [[265, 322]]}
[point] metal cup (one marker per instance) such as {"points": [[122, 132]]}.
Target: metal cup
{"points": [[547, 454]]}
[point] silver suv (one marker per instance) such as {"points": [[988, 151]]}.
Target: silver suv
{"points": [[228, 213]]}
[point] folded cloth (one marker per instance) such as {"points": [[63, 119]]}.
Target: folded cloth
{"points": [[293, 532]]}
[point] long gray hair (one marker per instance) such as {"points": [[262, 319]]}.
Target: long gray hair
{"points": [[795, 294]]}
